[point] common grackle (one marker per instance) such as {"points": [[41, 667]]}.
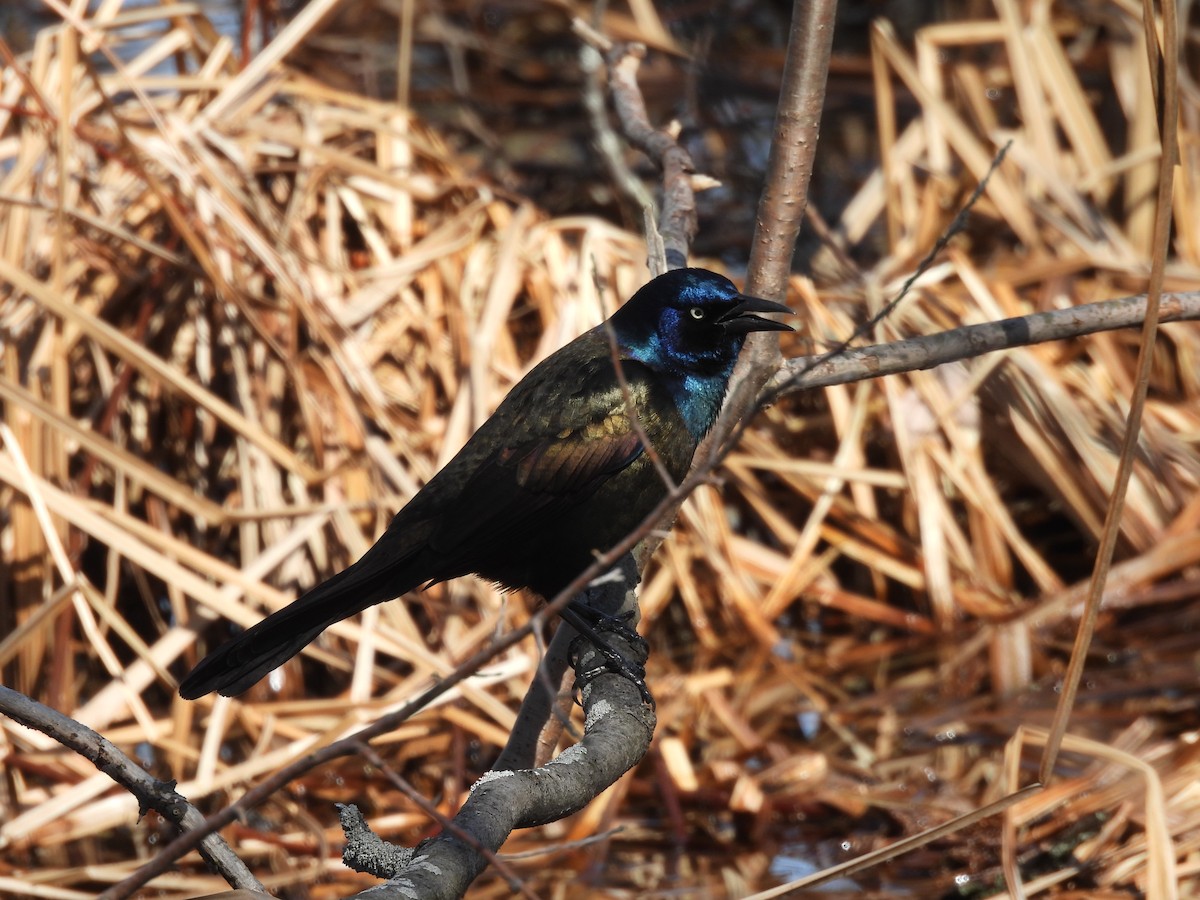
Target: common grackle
{"points": [[558, 472]]}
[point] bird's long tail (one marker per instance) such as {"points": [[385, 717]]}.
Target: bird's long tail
{"points": [[237, 664]]}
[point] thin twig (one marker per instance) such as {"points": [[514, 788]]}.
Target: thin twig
{"points": [[864, 328]]}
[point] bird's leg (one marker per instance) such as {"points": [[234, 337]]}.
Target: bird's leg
{"points": [[613, 623], [577, 616]]}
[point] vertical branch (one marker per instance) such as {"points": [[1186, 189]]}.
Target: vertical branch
{"points": [[793, 148], [785, 194], [677, 221], [668, 243]]}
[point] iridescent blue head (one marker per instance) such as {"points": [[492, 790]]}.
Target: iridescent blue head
{"points": [[691, 322], [689, 326]]}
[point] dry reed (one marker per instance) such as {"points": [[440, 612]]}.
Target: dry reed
{"points": [[247, 312]]}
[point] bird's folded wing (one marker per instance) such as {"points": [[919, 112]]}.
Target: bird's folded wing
{"points": [[534, 478]]}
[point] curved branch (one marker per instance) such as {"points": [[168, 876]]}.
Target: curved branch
{"points": [[677, 220], [617, 732], [540, 706]]}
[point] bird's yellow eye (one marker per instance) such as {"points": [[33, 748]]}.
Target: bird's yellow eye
{"points": [[697, 312]]}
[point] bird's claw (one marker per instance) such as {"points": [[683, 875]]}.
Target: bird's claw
{"points": [[614, 662], [615, 665]]}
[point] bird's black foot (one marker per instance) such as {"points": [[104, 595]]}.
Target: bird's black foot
{"points": [[591, 625]]}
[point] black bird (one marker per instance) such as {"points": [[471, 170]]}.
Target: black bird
{"points": [[556, 473]]}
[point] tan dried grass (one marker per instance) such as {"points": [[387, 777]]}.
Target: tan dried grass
{"points": [[247, 314]]}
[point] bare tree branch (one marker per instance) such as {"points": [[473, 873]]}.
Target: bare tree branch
{"points": [[793, 148], [539, 705], [617, 733], [264, 789], [927, 351], [367, 852], [151, 793], [780, 213], [610, 146], [677, 218], [784, 197]]}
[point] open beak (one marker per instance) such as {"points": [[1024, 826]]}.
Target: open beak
{"points": [[740, 319]]}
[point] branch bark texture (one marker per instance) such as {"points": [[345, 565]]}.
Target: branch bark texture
{"points": [[151, 793], [784, 199], [793, 148], [806, 372], [618, 729]]}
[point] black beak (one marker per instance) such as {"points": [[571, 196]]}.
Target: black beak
{"points": [[740, 320]]}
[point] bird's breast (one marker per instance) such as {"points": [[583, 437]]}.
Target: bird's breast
{"points": [[698, 400]]}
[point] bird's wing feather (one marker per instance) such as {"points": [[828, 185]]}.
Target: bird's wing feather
{"points": [[572, 460], [539, 472]]}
